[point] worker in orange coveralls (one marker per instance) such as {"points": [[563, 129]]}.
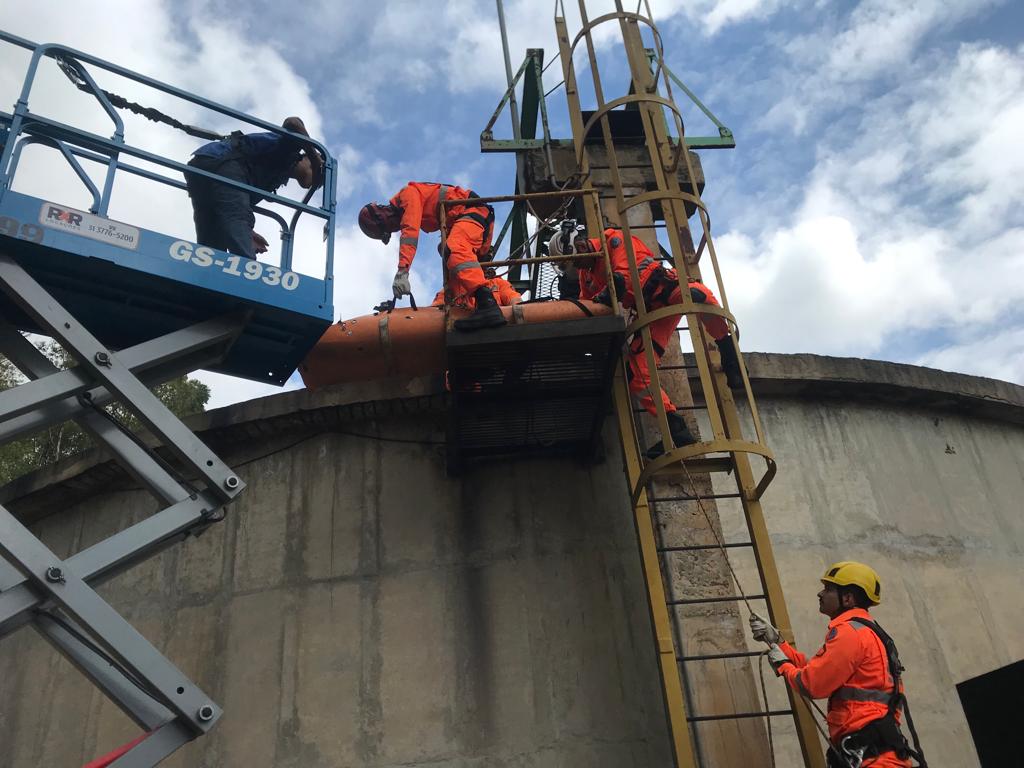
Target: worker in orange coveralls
{"points": [[501, 289], [660, 289], [416, 208], [857, 669]]}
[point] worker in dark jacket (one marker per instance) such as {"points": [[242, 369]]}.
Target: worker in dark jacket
{"points": [[857, 670], [223, 214]]}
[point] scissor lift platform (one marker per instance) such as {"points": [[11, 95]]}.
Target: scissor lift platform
{"points": [[129, 285], [530, 391]]}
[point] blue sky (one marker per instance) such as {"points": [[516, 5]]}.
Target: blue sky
{"points": [[872, 207]]}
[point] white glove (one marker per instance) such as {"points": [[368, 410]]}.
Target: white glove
{"points": [[763, 631], [777, 658], [401, 287]]}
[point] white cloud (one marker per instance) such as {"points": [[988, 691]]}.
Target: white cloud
{"points": [[915, 223], [998, 355], [227, 64], [714, 15]]}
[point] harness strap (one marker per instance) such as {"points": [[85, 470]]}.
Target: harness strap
{"points": [[581, 306]]}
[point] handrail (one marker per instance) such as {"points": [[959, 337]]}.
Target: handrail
{"points": [[72, 141]]}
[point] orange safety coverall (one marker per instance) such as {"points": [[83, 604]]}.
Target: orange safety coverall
{"points": [[502, 289], [852, 670], [468, 238], [593, 281]]}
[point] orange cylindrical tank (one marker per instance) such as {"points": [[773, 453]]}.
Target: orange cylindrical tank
{"points": [[407, 342]]}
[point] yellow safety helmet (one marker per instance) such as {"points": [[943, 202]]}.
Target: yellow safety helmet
{"points": [[850, 573]]}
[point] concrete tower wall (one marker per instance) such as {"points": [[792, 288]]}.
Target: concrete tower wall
{"points": [[360, 608]]}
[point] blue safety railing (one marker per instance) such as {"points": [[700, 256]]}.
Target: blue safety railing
{"points": [[24, 128]]}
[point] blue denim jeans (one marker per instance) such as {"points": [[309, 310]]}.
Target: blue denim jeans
{"points": [[222, 214]]}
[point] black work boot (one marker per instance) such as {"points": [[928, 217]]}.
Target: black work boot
{"points": [[486, 315], [730, 362], [681, 435]]}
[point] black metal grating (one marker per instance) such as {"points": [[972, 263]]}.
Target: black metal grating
{"points": [[530, 390]]}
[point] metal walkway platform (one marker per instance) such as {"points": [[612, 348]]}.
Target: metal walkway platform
{"points": [[530, 391]]}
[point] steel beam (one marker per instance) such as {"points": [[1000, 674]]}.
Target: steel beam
{"points": [[107, 368], [109, 557], [132, 456], [55, 580], [152, 361], [66, 637]]}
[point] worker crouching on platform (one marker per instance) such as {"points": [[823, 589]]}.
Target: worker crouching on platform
{"points": [[660, 289], [416, 208], [223, 214], [502, 290], [857, 669]]}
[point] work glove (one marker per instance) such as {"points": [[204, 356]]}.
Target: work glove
{"points": [[401, 287], [763, 631], [620, 285], [777, 658], [605, 296]]}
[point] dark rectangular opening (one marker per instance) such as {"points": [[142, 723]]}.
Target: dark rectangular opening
{"points": [[991, 703]]}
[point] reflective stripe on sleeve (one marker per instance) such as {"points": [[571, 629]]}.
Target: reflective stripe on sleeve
{"points": [[408, 241]]}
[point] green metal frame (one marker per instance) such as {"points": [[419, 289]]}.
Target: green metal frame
{"points": [[724, 140], [533, 107]]}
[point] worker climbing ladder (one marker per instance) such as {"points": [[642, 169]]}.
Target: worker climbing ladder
{"points": [[133, 308], [728, 450]]}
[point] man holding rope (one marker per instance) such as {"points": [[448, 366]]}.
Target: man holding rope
{"points": [[857, 669]]}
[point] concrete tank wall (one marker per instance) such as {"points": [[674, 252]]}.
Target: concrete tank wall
{"points": [[891, 465], [360, 608]]}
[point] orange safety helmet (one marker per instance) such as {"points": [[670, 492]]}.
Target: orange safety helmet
{"points": [[373, 221]]}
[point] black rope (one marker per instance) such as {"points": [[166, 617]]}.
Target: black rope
{"points": [[70, 68]]}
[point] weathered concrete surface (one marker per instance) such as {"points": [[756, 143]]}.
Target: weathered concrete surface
{"points": [[358, 608], [889, 464]]}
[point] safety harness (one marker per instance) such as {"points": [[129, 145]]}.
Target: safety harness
{"points": [[487, 222], [884, 734]]}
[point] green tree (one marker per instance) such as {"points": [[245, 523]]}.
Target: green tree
{"points": [[183, 396]]}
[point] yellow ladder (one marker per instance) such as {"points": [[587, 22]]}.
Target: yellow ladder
{"points": [[728, 449]]}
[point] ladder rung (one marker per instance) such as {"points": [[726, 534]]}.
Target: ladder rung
{"points": [[676, 367], [695, 547], [723, 599], [713, 656], [739, 715], [656, 499], [695, 466], [678, 408]]}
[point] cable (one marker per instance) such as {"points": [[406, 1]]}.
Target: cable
{"points": [[764, 697], [764, 691], [721, 546], [92, 646]]}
